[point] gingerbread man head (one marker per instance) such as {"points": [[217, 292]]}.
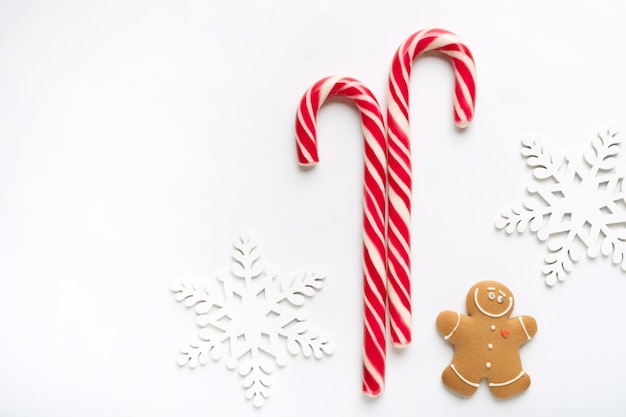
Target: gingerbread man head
{"points": [[490, 298]]}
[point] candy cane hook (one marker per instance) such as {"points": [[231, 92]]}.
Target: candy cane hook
{"points": [[399, 168], [374, 277]]}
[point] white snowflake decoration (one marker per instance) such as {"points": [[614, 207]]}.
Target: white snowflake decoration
{"points": [[257, 314], [576, 202]]}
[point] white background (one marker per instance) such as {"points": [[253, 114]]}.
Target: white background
{"points": [[138, 139]]}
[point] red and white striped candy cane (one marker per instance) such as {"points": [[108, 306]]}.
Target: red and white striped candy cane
{"points": [[399, 169], [374, 268]]}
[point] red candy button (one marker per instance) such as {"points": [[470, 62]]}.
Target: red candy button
{"points": [[504, 333]]}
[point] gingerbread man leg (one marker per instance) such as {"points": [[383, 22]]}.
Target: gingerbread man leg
{"points": [[514, 386], [457, 382]]}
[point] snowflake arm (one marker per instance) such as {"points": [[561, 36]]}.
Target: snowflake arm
{"points": [[615, 243], [560, 260], [540, 157], [247, 263], [308, 341], [522, 216], [199, 351], [302, 284], [257, 380], [194, 294], [600, 155]]}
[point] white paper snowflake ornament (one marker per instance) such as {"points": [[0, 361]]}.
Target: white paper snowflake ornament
{"points": [[257, 314], [577, 202]]}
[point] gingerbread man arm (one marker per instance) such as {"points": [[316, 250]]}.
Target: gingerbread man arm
{"points": [[447, 323], [528, 325]]}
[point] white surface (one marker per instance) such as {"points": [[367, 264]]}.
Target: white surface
{"points": [[137, 139]]}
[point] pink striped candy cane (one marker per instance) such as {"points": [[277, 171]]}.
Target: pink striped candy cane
{"points": [[399, 168], [375, 281]]}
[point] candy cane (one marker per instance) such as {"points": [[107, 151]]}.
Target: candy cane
{"points": [[399, 169], [375, 281]]}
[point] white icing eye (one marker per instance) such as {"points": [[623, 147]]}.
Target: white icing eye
{"points": [[500, 299], [492, 295]]}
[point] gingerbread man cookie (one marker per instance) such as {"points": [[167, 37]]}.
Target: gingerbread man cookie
{"points": [[486, 342]]}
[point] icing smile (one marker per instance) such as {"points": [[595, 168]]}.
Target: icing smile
{"points": [[499, 299]]}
